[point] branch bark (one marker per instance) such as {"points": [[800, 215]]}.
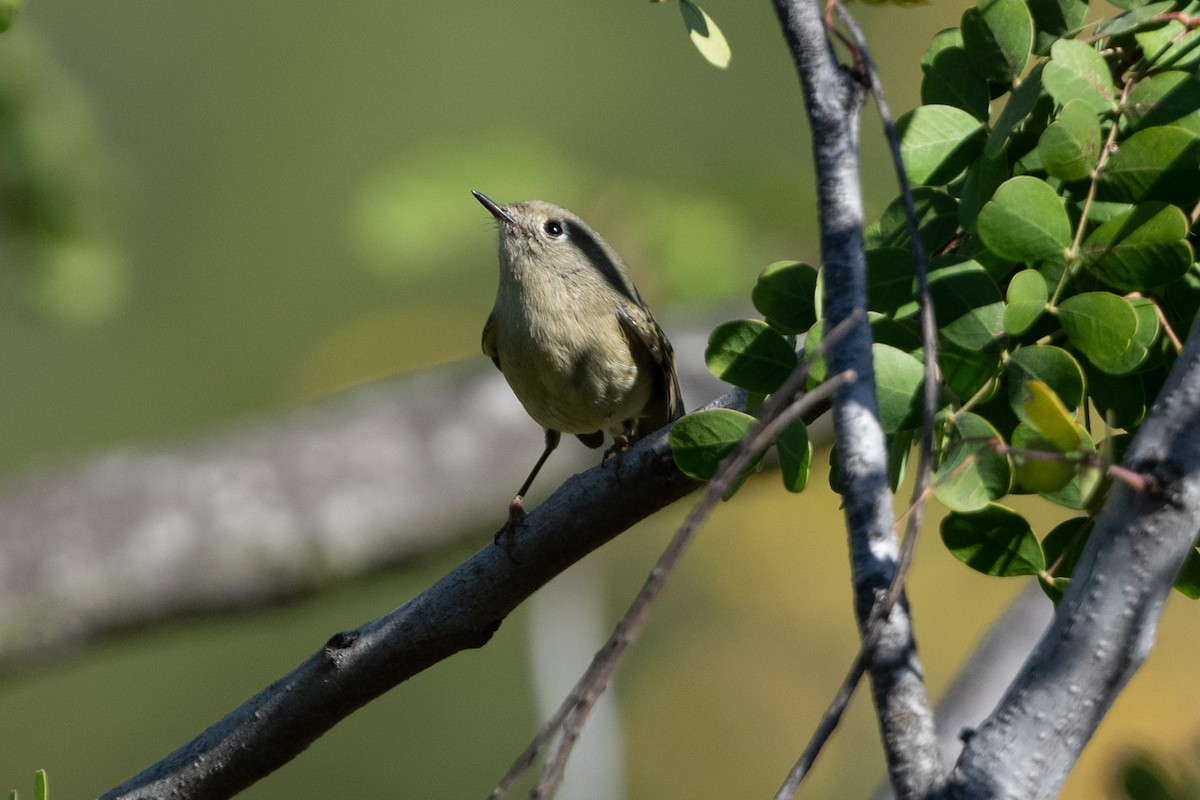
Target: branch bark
{"points": [[833, 99], [1105, 624]]}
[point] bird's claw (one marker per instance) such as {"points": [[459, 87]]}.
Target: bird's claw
{"points": [[506, 537], [619, 446]]}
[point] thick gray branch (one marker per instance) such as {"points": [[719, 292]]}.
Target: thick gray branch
{"points": [[1105, 624], [983, 678], [833, 99]]}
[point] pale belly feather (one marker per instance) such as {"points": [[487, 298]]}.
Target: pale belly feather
{"points": [[584, 382]]}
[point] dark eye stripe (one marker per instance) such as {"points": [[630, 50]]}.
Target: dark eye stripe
{"points": [[599, 259]]}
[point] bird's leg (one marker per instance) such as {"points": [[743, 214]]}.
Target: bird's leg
{"points": [[516, 511]]}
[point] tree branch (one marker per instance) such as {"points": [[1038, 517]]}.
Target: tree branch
{"points": [[987, 672], [460, 611], [1104, 625], [833, 100]]}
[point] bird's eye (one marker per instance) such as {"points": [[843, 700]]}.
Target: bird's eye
{"points": [[553, 228]]}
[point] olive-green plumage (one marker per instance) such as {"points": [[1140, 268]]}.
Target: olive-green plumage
{"points": [[571, 334]]}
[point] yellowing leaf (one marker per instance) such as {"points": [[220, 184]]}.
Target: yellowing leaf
{"points": [[1051, 418], [705, 34]]}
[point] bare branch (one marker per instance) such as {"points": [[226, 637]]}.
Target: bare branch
{"points": [[460, 611], [833, 101]]}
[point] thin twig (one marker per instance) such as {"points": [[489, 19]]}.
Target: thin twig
{"points": [[779, 411], [585, 694], [1110, 147]]}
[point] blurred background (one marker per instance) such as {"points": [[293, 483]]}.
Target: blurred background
{"points": [[226, 210]]}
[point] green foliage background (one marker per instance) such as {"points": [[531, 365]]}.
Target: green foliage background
{"points": [[269, 202]]}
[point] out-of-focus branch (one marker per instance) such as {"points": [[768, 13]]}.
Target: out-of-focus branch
{"points": [[271, 507]]}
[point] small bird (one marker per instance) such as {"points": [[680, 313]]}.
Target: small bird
{"points": [[573, 337]]}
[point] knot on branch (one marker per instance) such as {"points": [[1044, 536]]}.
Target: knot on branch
{"points": [[333, 652]]}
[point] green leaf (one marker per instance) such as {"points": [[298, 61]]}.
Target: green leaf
{"points": [[1025, 222], [1121, 399], [1140, 249], [998, 36], [937, 221], [750, 354], [1101, 325], [1019, 106], [817, 370], [1064, 543], [1053, 19], [995, 541], [1167, 98], [1155, 164], [795, 456], [971, 474], [39, 785], [1172, 44], [967, 371], [705, 34], [902, 334], [1077, 72], [1138, 16], [898, 380], [701, 440], [1144, 337], [1070, 146], [948, 78], [1052, 366], [1180, 299], [938, 142], [889, 279], [785, 294], [967, 303], [1027, 299], [983, 178], [899, 447]]}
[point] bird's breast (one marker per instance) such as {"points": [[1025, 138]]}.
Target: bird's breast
{"points": [[569, 362]]}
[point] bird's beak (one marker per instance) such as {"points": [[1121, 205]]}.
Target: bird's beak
{"points": [[498, 211]]}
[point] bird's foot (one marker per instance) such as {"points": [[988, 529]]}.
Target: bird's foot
{"points": [[619, 446], [506, 537]]}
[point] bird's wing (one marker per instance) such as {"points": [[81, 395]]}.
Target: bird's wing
{"points": [[666, 404], [489, 340]]}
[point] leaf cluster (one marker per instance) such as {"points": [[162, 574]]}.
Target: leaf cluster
{"points": [[1056, 168]]}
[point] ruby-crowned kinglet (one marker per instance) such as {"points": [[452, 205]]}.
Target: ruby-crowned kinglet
{"points": [[573, 337]]}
